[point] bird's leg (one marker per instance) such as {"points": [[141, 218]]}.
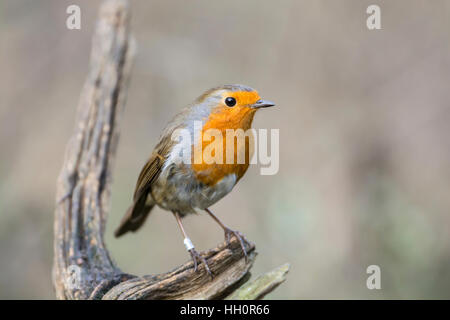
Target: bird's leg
{"points": [[229, 232], [190, 247]]}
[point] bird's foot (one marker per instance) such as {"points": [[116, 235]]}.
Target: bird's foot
{"points": [[195, 255], [240, 237]]}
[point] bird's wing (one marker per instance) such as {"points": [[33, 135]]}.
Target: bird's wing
{"points": [[137, 214], [152, 168]]}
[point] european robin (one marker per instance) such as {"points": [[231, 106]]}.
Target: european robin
{"points": [[183, 187]]}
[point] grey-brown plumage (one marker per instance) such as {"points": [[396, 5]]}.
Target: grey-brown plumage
{"points": [[142, 203], [171, 186], [182, 186]]}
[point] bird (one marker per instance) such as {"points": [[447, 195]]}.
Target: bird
{"points": [[185, 187]]}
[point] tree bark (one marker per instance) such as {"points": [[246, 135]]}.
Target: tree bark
{"points": [[83, 268]]}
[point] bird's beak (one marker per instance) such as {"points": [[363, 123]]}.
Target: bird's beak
{"points": [[262, 104]]}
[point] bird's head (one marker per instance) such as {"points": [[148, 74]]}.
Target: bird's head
{"points": [[231, 106]]}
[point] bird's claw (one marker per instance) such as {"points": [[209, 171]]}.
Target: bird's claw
{"points": [[240, 237], [195, 255]]}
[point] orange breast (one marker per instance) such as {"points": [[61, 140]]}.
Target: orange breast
{"points": [[221, 120]]}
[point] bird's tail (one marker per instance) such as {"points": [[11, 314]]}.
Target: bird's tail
{"points": [[135, 216]]}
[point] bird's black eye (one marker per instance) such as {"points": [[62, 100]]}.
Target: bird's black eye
{"points": [[230, 101]]}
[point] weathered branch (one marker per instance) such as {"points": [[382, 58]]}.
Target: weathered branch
{"points": [[83, 188], [226, 263], [83, 268], [262, 285]]}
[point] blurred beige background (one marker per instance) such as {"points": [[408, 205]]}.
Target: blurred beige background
{"points": [[364, 127]]}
